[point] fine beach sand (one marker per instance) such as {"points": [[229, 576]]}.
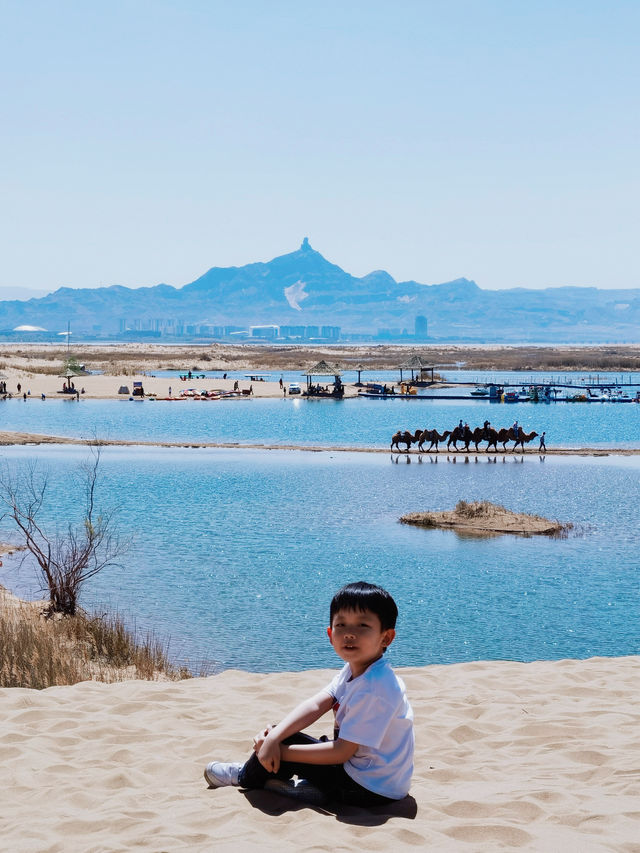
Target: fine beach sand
{"points": [[542, 756]]}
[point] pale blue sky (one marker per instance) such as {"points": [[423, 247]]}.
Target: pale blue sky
{"points": [[149, 140]]}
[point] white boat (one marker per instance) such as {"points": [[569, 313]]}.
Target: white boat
{"points": [[480, 392], [619, 396]]}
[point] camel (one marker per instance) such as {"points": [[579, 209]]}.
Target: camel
{"points": [[495, 437], [523, 438], [491, 437], [463, 434], [404, 437], [433, 436], [480, 434]]}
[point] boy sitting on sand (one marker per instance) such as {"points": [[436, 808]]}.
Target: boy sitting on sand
{"points": [[370, 760]]}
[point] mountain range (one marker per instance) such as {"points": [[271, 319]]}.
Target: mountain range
{"points": [[303, 288]]}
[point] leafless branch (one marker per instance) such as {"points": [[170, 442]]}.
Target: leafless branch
{"points": [[69, 559]]}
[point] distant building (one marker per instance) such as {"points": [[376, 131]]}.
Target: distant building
{"points": [[299, 332], [267, 332], [421, 328], [388, 334], [330, 333]]}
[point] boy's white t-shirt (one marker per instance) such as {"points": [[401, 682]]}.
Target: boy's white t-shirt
{"points": [[373, 711]]}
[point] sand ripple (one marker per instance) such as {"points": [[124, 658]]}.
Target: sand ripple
{"points": [[541, 756]]}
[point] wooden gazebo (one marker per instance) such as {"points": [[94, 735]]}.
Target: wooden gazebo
{"points": [[323, 368], [415, 363]]}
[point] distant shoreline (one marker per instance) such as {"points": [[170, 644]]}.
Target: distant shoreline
{"points": [[35, 370], [146, 357]]}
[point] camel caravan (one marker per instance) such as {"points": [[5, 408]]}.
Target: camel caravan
{"points": [[465, 436]]}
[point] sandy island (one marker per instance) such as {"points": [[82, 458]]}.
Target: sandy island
{"points": [[483, 518]]}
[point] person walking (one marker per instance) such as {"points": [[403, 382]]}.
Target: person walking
{"points": [[543, 446]]}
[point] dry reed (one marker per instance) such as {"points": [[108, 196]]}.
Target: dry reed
{"points": [[37, 652]]}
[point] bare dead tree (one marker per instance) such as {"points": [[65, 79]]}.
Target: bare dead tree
{"points": [[69, 558]]}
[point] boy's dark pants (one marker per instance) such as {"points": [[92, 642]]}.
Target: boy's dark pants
{"points": [[330, 778]]}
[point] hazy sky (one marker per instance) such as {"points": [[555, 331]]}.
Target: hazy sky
{"points": [[149, 141]]}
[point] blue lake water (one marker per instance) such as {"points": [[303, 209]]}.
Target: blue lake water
{"points": [[352, 422], [235, 553]]}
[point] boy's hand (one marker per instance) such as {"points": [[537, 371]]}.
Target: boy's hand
{"points": [[269, 755], [259, 738]]}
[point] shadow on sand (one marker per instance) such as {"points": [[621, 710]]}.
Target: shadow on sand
{"points": [[274, 804]]}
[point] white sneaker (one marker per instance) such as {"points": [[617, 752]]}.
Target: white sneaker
{"points": [[218, 774]]}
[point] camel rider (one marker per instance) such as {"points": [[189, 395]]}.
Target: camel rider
{"points": [[516, 429], [460, 426]]}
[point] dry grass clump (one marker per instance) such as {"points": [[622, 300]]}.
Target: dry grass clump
{"points": [[37, 652], [479, 509]]}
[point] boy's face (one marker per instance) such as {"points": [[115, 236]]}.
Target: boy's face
{"points": [[358, 638]]}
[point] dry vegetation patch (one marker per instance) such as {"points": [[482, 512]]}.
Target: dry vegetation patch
{"points": [[483, 518], [39, 652], [132, 358]]}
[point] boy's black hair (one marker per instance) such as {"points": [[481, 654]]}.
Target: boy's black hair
{"points": [[365, 596]]}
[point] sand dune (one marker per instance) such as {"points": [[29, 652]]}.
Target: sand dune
{"points": [[542, 756]]}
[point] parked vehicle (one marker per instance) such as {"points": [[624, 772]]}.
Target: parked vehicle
{"points": [[294, 388]]}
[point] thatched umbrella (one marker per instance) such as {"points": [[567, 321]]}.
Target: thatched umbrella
{"points": [[359, 370], [68, 375]]}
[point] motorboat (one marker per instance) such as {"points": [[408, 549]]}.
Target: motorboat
{"points": [[480, 392], [601, 397]]}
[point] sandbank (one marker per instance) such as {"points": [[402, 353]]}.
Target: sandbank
{"points": [[24, 438], [536, 756], [483, 518]]}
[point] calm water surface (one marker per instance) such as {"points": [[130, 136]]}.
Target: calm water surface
{"points": [[236, 553], [355, 422]]}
